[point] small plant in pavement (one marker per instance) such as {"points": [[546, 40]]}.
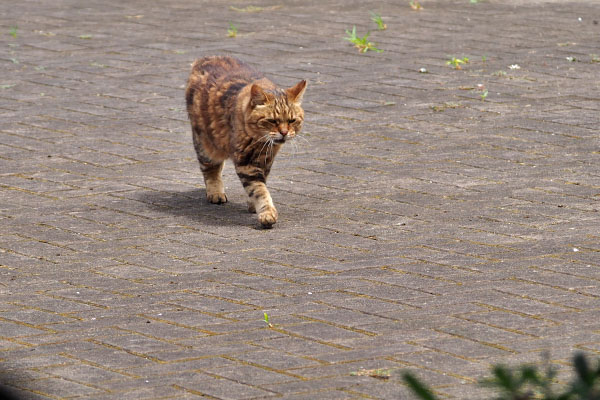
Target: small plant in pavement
{"points": [[266, 320], [361, 43], [484, 95], [232, 31], [483, 91], [415, 5], [377, 19], [457, 62]]}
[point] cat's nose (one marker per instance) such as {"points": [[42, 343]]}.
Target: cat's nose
{"points": [[283, 131]]}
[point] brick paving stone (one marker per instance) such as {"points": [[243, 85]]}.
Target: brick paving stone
{"points": [[423, 225], [207, 386]]}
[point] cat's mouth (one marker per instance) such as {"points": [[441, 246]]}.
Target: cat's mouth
{"points": [[278, 138]]}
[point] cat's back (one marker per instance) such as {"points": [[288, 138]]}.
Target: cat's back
{"points": [[217, 71], [211, 98], [214, 84]]}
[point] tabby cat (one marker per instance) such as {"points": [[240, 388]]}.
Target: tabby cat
{"points": [[237, 113]]}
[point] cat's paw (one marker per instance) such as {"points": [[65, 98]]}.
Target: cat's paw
{"points": [[216, 198], [267, 218], [251, 207]]}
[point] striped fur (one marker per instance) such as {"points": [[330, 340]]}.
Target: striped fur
{"points": [[239, 114]]}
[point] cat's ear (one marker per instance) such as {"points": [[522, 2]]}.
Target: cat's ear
{"points": [[295, 93], [258, 96]]}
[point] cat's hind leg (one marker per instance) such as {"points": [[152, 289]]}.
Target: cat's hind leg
{"points": [[211, 170]]}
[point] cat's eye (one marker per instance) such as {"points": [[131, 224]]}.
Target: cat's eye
{"points": [[291, 121], [272, 121]]}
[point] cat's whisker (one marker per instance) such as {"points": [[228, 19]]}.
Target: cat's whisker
{"points": [[303, 138], [295, 143], [295, 147], [271, 144], [267, 140]]}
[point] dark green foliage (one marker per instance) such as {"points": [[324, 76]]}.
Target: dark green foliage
{"points": [[526, 382], [418, 387], [523, 384], [587, 384]]}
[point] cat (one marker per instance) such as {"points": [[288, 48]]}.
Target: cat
{"points": [[237, 113]]}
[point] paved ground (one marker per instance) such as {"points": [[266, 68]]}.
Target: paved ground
{"points": [[421, 227]]}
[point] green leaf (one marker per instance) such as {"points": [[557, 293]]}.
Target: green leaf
{"points": [[378, 20], [351, 35], [529, 374], [418, 387], [503, 378], [583, 370]]}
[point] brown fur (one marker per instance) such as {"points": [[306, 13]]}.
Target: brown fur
{"points": [[237, 113]]}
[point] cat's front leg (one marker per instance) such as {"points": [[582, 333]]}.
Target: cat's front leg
{"points": [[259, 199], [268, 216]]}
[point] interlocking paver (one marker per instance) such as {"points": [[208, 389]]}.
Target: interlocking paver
{"points": [[423, 226]]}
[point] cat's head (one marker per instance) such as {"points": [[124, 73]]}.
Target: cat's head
{"points": [[278, 114]]}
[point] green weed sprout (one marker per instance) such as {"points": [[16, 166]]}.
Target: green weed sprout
{"points": [[267, 320], [13, 31], [415, 5], [361, 43], [377, 19], [456, 62], [232, 31]]}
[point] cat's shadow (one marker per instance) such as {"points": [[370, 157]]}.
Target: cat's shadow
{"points": [[192, 204]]}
